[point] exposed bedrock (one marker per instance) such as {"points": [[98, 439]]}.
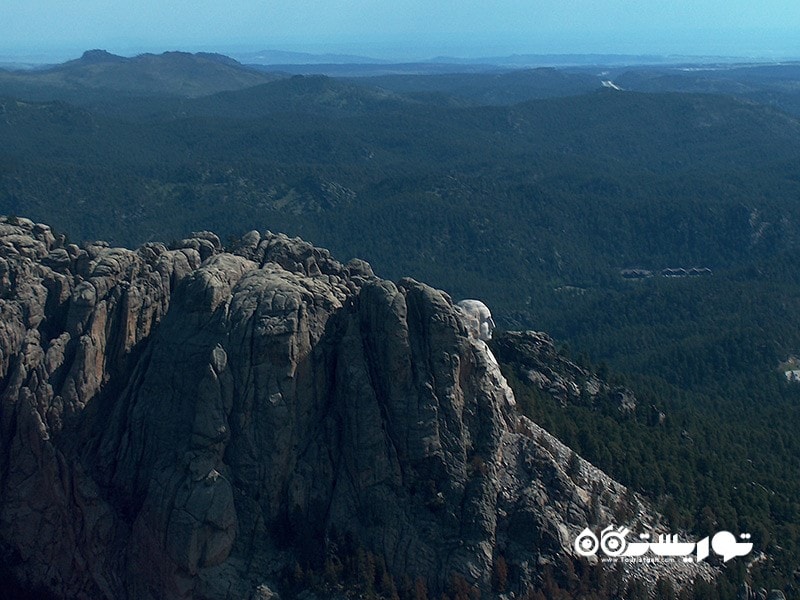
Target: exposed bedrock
{"points": [[188, 422]]}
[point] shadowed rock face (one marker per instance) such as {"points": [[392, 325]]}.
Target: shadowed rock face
{"points": [[186, 422]]}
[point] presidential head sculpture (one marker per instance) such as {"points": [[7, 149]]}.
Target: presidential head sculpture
{"points": [[478, 318]]}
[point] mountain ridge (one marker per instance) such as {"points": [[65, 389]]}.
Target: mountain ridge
{"points": [[173, 73]]}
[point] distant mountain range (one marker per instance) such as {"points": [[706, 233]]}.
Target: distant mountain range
{"points": [[273, 57], [98, 77], [283, 57], [172, 73]]}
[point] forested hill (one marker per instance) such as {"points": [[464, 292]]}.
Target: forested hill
{"points": [[655, 234], [494, 88], [537, 207], [771, 84], [567, 190], [99, 78]]}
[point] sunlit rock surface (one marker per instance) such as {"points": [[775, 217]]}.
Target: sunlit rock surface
{"points": [[186, 422]]}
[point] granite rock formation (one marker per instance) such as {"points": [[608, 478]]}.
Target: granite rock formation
{"points": [[536, 360], [186, 422]]}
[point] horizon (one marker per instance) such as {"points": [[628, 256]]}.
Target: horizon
{"points": [[255, 54], [411, 30]]}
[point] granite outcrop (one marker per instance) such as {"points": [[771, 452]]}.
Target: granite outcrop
{"points": [[191, 421]]}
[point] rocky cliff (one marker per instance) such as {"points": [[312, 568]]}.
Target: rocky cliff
{"points": [[191, 422], [535, 359]]}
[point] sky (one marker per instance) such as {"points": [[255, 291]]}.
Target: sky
{"points": [[405, 29]]}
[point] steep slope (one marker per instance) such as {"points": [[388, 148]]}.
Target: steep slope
{"points": [[191, 422]]}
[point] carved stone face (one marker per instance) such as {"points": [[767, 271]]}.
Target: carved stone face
{"points": [[479, 318]]}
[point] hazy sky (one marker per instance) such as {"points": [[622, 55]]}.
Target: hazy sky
{"points": [[411, 28]]}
